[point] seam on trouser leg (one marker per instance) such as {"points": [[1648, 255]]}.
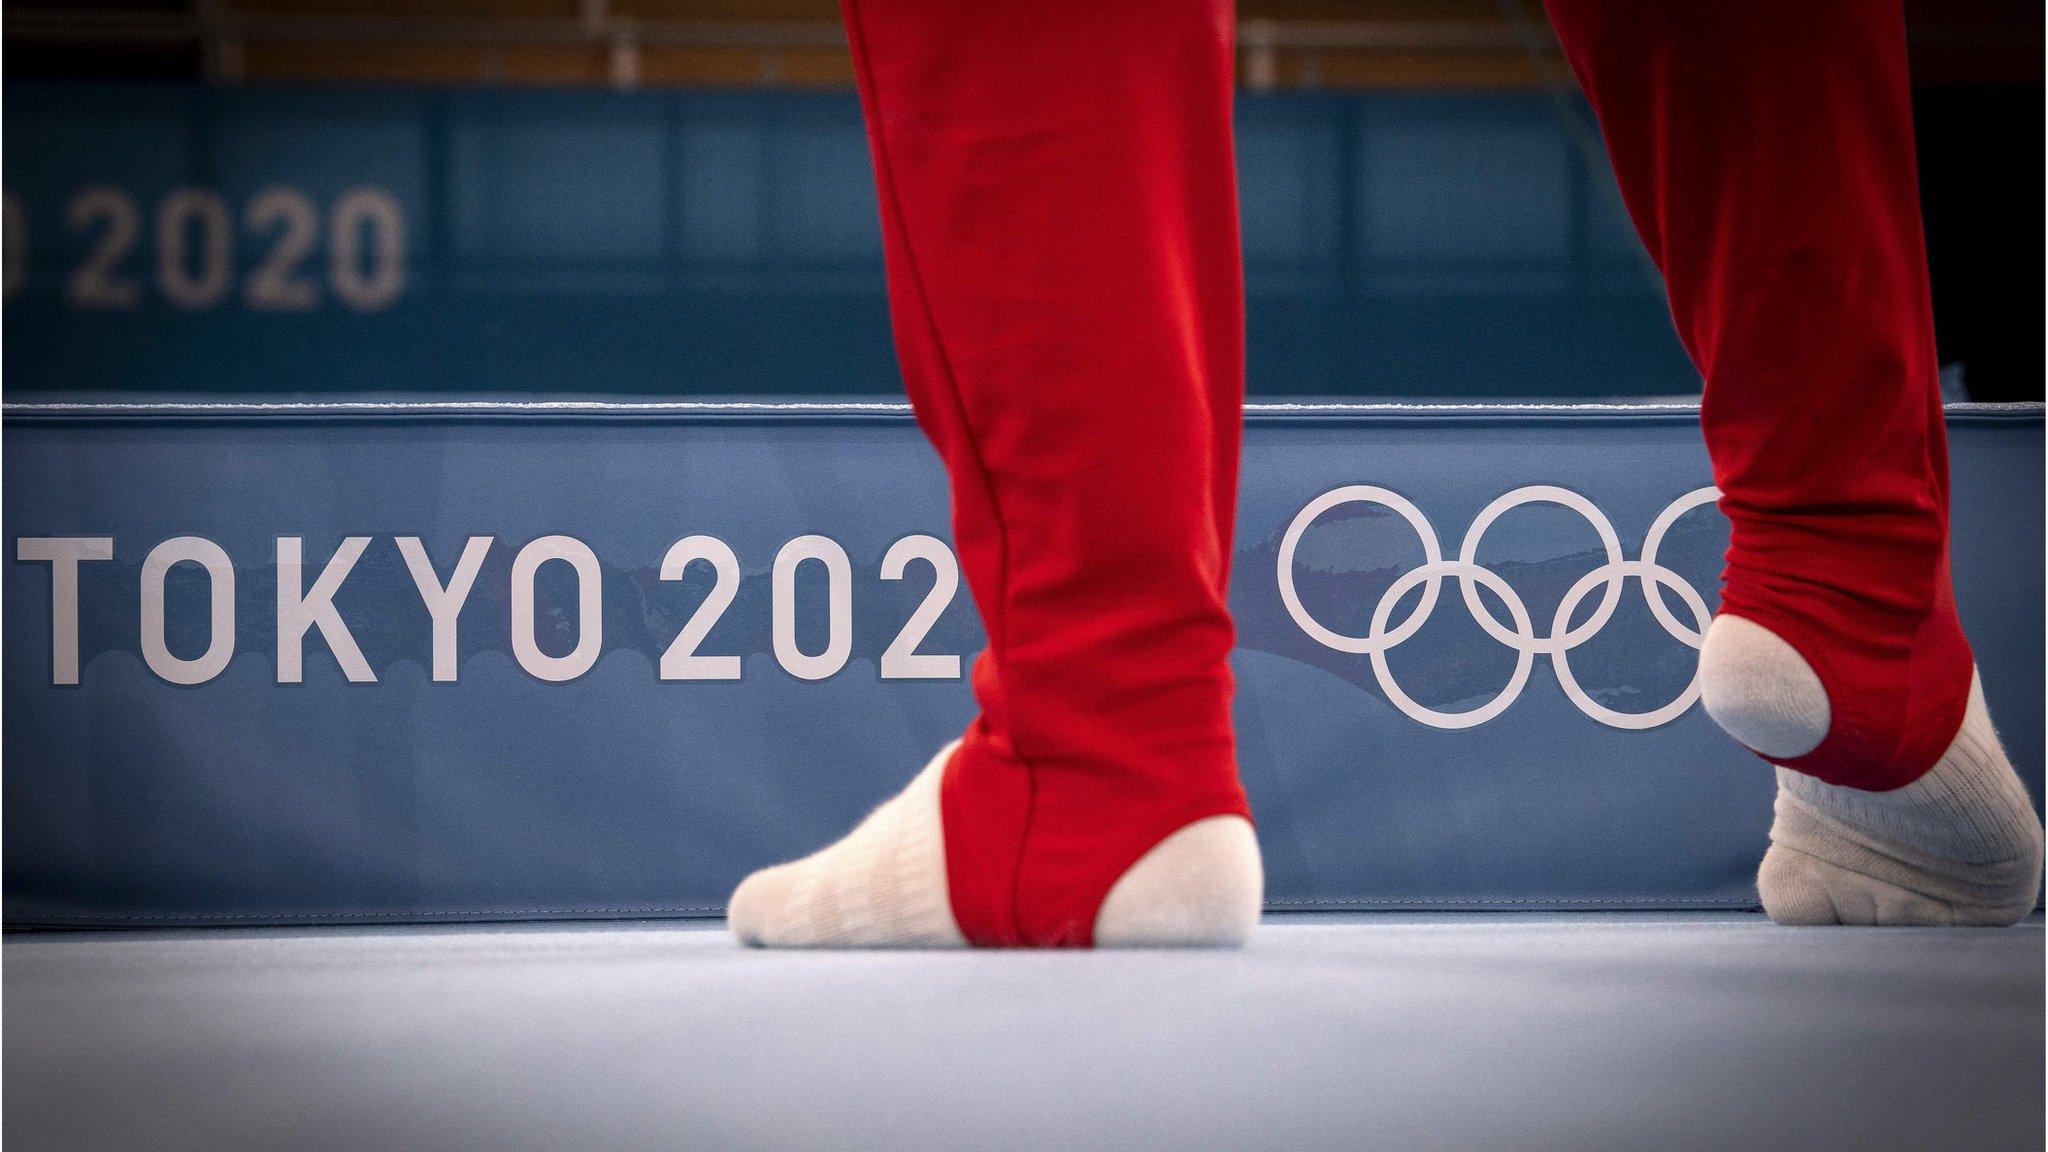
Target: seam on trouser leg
{"points": [[998, 627]]}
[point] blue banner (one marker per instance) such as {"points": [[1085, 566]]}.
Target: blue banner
{"points": [[370, 661], [276, 240]]}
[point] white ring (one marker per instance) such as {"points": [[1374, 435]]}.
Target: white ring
{"points": [[1525, 654], [1653, 540], [1560, 661], [1432, 553], [1468, 553]]}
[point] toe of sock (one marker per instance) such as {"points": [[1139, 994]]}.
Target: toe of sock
{"points": [[883, 885], [750, 912], [1801, 890], [1959, 846], [1792, 890]]}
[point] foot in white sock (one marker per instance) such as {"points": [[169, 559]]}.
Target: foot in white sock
{"points": [[1961, 845], [884, 886]]}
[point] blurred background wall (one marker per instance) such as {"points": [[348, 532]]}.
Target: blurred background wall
{"points": [[672, 197]]}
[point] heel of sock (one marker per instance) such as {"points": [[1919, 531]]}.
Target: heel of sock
{"points": [[1201, 887], [1761, 691]]}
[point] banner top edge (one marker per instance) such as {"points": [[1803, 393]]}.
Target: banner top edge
{"points": [[1255, 411]]}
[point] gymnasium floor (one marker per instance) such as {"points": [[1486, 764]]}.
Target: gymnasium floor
{"points": [[1524, 1031]]}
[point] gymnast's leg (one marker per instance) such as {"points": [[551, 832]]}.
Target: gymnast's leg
{"points": [[1766, 154], [1060, 220]]}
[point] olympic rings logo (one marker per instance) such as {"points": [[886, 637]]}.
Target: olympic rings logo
{"points": [[1610, 577]]}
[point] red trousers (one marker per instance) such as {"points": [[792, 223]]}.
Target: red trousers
{"points": [[1766, 154], [1059, 214]]}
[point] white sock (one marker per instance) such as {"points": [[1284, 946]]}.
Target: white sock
{"points": [[1961, 845], [884, 886]]}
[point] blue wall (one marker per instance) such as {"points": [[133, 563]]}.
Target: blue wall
{"points": [[1581, 777], [284, 240]]}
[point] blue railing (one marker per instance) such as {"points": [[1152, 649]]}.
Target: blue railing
{"points": [[187, 238]]}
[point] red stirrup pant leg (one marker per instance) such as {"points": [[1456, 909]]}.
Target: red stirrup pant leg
{"points": [[1060, 219], [1765, 151]]}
